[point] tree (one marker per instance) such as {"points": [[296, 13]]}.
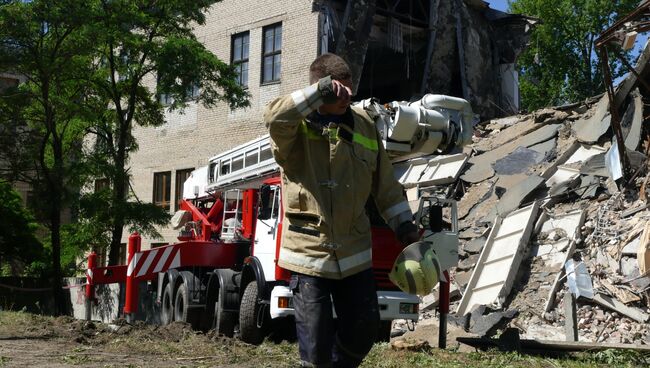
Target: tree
{"points": [[19, 246], [561, 64], [45, 42], [139, 42]]}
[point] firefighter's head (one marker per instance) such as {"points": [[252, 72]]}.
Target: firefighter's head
{"points": [[335, 67]]}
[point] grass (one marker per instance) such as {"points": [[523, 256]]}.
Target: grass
{"points": [[4, 360], [204, 350]]}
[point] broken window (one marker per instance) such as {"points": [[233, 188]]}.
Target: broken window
{"points": [[239, 56], [162, 189], [271, 53]]}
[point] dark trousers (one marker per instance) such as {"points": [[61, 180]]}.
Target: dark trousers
{"points": [[321, 342]]}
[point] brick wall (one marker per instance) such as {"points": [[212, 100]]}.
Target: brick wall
{"points": [[187, 140]]}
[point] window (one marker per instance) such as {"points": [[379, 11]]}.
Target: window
{"points": [[122, 254], [101, 184], [181, 176], [162, 189], [271, 52], [6, 83], [239, 57], [164, 98]]}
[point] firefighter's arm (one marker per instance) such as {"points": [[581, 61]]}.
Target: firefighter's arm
{"points": [[390, 200], [284, 115]]}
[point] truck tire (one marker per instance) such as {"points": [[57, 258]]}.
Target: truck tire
{"points": [[385, 327], [182, 312], [224, 321], [167, 305], [249, 315]]}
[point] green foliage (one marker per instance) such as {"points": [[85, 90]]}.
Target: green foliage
{"points": [[89, 68], [561, 64], [138, 42], [19, 246]]}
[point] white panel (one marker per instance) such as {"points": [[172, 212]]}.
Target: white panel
{"points": [[584, 152], [561, 175], [498, 264], [439, 170]]}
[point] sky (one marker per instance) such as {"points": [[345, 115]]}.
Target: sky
{"points": [[498, 4]]}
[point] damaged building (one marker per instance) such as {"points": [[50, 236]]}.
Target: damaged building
{"points": [[401, 50], [470, 50], [554, 229]]}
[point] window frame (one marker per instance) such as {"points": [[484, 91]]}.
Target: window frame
{"points": [[239, 62], [178, 185], [275, 52], [165, 201]]}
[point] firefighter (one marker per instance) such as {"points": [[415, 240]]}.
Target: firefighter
{"points": [[332, 160]]}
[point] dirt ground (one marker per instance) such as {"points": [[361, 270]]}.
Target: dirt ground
{"points": [[28, 340]]}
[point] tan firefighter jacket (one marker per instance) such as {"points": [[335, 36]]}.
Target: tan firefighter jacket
{"points": [[328, 174]]}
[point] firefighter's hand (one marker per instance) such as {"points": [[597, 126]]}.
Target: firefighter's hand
{"points": [[407, 233], [342, 92]]}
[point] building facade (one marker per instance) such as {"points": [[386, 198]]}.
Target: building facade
{"points": [[272, 43], [399, 49]]}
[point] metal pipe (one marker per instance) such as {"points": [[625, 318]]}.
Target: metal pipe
{"points": [[90, 287], [443, 309], [131, 293]]}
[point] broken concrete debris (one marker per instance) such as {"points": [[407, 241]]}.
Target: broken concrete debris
{"points": [[589, 234]]}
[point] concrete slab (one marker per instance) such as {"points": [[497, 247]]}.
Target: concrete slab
{"points": [[515, 195], [590, 129], [545, 148], [475, 194], [481, 165], [569, 223], [589, 184], [499, 262], [615, 305], [476, 245], [519, 161]]}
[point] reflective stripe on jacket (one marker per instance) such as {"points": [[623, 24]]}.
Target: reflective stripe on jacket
{"points": [[328, 173]]}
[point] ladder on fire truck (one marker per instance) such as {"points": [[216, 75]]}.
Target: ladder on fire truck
{"points": [[242, 164]]}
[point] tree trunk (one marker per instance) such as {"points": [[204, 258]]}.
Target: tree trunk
{"points": [[60, 306], [119, 195]]}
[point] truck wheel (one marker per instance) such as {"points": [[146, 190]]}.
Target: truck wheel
{"points": [[249, 315], [182, 312], [224, 322], [167, 307], [385, 327]]}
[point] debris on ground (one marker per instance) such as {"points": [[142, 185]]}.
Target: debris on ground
{"points": [[586, 232]]}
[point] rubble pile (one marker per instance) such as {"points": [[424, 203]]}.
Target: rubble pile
{"points": [[547, 219]]}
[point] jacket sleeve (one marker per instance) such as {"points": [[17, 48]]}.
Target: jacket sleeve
{"points": [[284, 115], [388, 192]]}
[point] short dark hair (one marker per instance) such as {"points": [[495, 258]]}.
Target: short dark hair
{"points": [[329, 64]]}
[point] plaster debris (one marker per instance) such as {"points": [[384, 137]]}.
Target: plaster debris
{"points": [[591, 220]]}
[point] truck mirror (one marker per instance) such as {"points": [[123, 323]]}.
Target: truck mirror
{"points": [[264, 212]]}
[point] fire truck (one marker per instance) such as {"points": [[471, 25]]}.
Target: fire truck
{"points": [[223, 273]]}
